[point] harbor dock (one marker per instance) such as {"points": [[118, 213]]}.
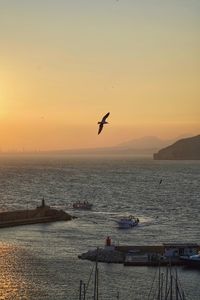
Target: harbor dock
{"points": [[147, 255]]}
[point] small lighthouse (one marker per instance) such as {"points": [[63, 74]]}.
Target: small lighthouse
{"points": [[108, 244], [43, 202]]}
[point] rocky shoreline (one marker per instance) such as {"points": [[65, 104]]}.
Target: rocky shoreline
{"points": [[105, 255]]}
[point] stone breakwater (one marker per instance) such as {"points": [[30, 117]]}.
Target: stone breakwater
{"points": [[117, 254], [42, 214], [104, 255]]}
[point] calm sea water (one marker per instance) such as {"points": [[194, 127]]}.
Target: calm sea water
{"points": [[40, 261]]}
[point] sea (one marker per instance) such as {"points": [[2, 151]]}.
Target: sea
{"points": [[41, 261]]}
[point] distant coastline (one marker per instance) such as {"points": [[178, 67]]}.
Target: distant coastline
{"points": [[144, 146], [184, 149]]}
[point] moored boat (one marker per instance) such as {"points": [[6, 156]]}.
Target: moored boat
{"points": [[82, 205], [191, 261], [129, 222]]}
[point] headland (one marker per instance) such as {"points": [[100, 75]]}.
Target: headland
{"points": [[184, 149]]}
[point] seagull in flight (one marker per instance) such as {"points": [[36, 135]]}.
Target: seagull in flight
{"points": [[102, 122]]}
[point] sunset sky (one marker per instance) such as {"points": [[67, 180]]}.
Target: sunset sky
{"points": [[65, 63]]}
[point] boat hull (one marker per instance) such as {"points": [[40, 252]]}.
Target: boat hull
{"points": [[192, 261], [125, 224], [82, 206]]}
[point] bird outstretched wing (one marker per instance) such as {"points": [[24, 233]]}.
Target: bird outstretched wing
{"points": [[100, 128], [105, 117]]}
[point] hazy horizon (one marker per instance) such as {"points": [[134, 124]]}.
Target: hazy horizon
{"points": [[142, 145], [65, 64]]}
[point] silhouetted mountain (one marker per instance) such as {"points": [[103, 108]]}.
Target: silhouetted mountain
{"points": [[142, 146], [147, 142], [184, 149]]}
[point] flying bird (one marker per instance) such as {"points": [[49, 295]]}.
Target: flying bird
{"points": [[102, 122], [160, 181]]}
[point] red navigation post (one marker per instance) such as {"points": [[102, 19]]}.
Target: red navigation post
{"points": [[108, 241]]}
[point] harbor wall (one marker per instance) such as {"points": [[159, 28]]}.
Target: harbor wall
{"points": [[142, 249], [41, 214]]}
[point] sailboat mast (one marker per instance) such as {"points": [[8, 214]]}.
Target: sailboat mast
{"points": [[84, 291], [159, 284], [80, 289], [96, 285], [176, 278], [166, 283], [171, 287]]}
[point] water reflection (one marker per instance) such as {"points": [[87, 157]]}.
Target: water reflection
{"points": [[12, 283]]}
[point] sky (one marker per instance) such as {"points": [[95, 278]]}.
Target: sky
{"points": [[64, 64]]}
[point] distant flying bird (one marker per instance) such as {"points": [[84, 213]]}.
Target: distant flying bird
{"points": [[103, 121], [160, 181]]}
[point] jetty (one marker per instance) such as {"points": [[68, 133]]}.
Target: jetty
{"points": [[41, 214], [144, 255]]}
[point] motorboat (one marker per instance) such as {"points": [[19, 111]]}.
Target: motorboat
{"points": [[82, 205], [127, 222], [192, 260]]}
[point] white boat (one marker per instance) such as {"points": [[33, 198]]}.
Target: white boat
{"points": [[82, 205], [129, 222], [191, 261]]}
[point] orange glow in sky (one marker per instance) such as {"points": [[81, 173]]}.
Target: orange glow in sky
{"points": [[64, 64]]}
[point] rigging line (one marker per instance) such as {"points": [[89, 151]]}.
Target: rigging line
{"points": [[179, 293], [152, 285], [171, 277], [156, 293], [89, 279], [185, 295], [180, 289]]}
